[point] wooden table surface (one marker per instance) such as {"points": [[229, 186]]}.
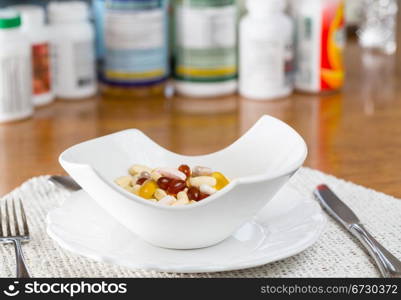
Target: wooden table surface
{"points": [[354, 134]]}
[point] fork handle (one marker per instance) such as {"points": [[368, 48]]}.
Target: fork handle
{"points": [[22, 270], [388, 264]]}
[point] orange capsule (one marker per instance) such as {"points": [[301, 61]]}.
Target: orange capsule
{"points": [[221, 180], [148, 189]]}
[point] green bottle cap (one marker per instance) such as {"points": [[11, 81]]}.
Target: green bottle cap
{"points": [[9, 19]]}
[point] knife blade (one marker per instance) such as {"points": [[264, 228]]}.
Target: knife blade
{"points": [[65, 182], [388, 264], [335, 207]]}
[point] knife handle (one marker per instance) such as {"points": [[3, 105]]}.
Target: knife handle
{"points": [[388, 264]]}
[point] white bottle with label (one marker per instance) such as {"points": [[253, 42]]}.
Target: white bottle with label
{"points": [[266, 51], [15, 69], [73, 49], [136, 57], [33, 26], [205, 51]]}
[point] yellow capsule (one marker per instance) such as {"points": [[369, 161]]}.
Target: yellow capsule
{"points": [[221, 180], [148, 189]]}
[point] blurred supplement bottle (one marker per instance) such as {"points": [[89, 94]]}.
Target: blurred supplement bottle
{"points": [[33, 26], [205, 52], [266, 57], [15, 69], [72, 38], [98, 7], [378, 28], [135, 48], [320, 33], [353, 13], [241, 7]]}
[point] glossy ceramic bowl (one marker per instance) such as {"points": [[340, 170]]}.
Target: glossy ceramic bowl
{"points": [[259, 164]]}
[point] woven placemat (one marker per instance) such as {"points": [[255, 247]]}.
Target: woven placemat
{"points": [[336, 254]]}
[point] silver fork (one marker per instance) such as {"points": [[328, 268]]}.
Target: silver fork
{"points": [[13, 231]]}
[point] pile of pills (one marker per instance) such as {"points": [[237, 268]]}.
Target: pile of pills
{"points": [[171, 186]]}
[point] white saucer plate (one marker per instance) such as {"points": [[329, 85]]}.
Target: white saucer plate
{"points": [[289, 224]]}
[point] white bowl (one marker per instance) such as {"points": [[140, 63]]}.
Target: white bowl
{"points": [[259, 164]]}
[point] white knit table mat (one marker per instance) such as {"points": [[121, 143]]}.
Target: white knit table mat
{"points": [[334, 255]]}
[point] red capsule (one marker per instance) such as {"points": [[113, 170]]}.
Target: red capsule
{"points": [[176, 186], [141, 180], [193, 193], [164, 182], [202, 196], [185, 169]]}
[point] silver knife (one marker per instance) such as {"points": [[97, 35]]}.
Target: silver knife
{"points": [[388, 264], [65, 182]]}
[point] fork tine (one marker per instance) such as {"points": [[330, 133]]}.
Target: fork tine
{"points": [[8, 220], [1, 219], [16, 223], [24, 221]]}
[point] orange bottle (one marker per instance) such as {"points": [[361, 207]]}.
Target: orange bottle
{"points": [[320, 43]]}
